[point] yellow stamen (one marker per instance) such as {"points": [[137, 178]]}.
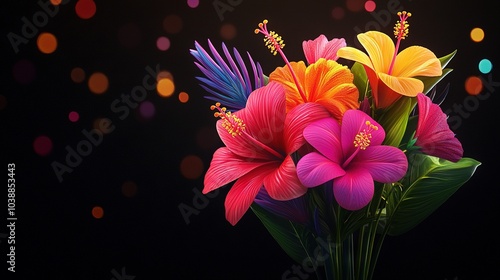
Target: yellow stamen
{"points": [[401, 32], [275, 44], [273, 41], [401, 28], [362, 139], [230, 122]]}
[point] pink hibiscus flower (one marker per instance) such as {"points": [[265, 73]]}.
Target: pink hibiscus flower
{"points": [[322, 48], [353, 156], [433, 134], [259, 140]]}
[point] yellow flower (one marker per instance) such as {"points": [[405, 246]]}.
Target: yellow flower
{"points": [[325, 82], [391, 74]]}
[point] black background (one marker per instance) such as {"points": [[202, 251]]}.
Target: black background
{"points": [[145, 235]]}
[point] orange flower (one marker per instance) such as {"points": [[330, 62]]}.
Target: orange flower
{"points": [[325, 82], [391, 74]]}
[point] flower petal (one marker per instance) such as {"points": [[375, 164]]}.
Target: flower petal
{"points": [[264, 120], [297, 120], [433, 133], [226, 167], [354, 190], [264, 115], [380, 49], [402, 85], [354, 54], [244, 145], [417, 61], [282, 183], [322, 48], [331, 84], [354, 122], [324, 136], [243, 192], [314, 169], [223, 82], [386, 164], [295, 209], [283, 76]]}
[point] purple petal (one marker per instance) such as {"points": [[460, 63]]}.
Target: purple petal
{"points": [[354, 190], [293, 209], [324, 136], [353, 122], [386, 164], [314, 169]]}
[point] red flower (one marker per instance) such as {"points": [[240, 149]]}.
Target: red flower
{"points": [[259, 140]]}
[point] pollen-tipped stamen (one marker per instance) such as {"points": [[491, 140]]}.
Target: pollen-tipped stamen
{"points": [[401, 30], [362, 140], [230, 122], [235, 127], [275, 44]]}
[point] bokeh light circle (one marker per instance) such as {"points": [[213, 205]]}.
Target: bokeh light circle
{"points": [[73, 116], [485, 66], [147, 109], [193, 3], [98, 83], [338, 13], [163, 43], [46, 42], [370, 6], [355, 5], [164, 74], [183, 97], [77, 75], [228, 31], [473, 85], [477, 34], [85, 9], [104, 125], [165, 87], [191, 167], [42, 145], [97, 212]]}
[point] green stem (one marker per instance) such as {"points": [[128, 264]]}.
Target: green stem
{"points": [[381, 240], [368, 240], [361, 246]]}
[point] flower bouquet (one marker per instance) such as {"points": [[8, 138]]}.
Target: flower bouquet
{"points": [[331, 158]]}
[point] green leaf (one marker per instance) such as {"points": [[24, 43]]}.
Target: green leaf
{"points": [[394, 120], [430, 82], [266, 79], [296, 240], [360, 80], [411, 127], [446, 59], [430, 181]]}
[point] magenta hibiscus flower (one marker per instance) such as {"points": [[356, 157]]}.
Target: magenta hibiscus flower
{"points": [[321, 47], [433, 134], [352, 155], [259, 140]]}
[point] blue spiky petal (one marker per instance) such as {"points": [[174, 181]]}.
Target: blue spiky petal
{"points": [[228, 81]]}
